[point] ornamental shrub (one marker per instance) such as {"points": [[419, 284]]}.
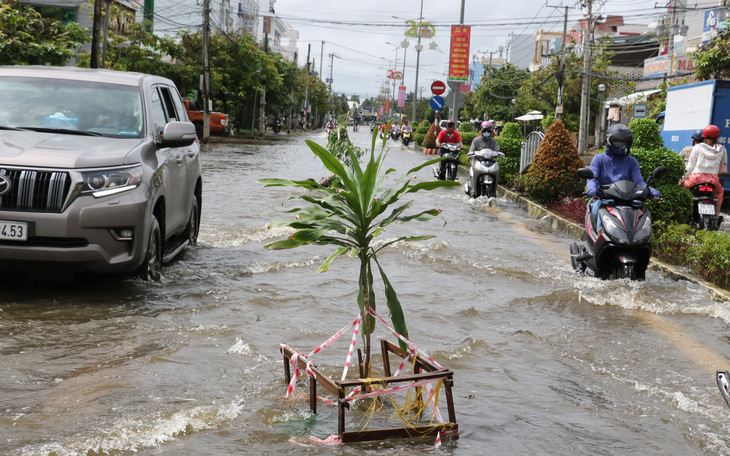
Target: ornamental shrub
{"points": [[429, 141], [646, 134], [675, 205], [511, 130], [552, 173], [414, 125], [649, 159], [465, 127], [423, 129], [425, 123], [419, 138], [706, 253], [467, 137]]}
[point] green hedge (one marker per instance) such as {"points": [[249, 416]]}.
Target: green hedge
{"points": [[467, 137], [423, 129], [419, 138], [675, 205], [705, 253]]}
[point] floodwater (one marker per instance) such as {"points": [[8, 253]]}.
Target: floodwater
{"points": [[545, 361]]}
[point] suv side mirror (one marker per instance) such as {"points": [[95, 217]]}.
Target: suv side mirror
{"points": [[178, 134]]}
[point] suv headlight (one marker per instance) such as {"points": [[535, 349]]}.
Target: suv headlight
{"points": [[107, 182]]}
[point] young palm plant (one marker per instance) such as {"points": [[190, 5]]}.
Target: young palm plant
{"points": [[350, 216]]}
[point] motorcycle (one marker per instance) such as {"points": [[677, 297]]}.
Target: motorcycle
{"points": [[276, 127], [447, 167], [624, 248], [704, 216], [483, 173], [406, 138], [372, 126], [394, 134]]}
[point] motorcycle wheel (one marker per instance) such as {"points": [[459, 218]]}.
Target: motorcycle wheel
{"points": [[576, 250], [714, 223], [451, 173], [624, 271]]}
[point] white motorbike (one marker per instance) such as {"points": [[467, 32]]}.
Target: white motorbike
{"points": [[483, 173]]}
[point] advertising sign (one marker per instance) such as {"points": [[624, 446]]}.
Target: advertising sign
{"points": [[656, 66], [709, 28], [401, 95], [459, 55]]}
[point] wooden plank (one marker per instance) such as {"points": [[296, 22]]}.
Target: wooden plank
{"points": [[399, 379], [397, 433], [322, 378], [450, 399], [313, 395], [386, 357], [425, 363]]}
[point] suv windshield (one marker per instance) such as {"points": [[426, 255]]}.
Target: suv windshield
{"points": [[111, 110]]}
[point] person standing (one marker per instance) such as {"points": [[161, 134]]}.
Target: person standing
{"points": [[706, 161]]}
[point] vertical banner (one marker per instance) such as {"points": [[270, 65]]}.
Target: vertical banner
{"points": [[459, 55], [401, 95], [381, 111], [387, 105]]}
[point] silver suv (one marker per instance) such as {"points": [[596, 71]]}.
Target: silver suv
{"points": [[99, 171]]}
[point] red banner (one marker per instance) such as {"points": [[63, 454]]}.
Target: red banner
{"points": [[459, 56], [387, 105]]}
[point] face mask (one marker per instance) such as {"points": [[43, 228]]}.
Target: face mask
{"points": [[486, 134]]}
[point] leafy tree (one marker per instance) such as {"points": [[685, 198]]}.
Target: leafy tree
{"points": [[350, 217], [646, 134], [495, 92], [26, 38], [539, 92], [712, 61]]}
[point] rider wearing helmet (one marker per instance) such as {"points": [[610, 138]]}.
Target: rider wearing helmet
{"points": [[449, 135], [696, 139], [706, 160], [486, 138], [614, 165]]}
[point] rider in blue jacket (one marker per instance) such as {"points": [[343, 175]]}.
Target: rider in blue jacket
{"points": [[614, 165]]}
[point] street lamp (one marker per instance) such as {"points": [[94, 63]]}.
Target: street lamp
{"points": [[419, 48], [513, 109]]}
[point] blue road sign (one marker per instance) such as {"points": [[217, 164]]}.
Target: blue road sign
{"points": [[437, 102]]}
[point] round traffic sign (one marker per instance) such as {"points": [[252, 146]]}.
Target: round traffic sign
{"points": [[438, 87], [437, 102]]}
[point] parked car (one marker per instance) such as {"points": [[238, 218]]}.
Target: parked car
{"points": [[218, 120], [99, 171]]}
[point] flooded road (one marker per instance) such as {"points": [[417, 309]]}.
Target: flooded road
{"points": [[545, 361]]}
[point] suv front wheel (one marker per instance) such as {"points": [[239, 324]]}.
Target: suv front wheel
{"points": [[151, 268]]}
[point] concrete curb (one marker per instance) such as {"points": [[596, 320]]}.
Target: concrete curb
{"points": [[575, 230]]}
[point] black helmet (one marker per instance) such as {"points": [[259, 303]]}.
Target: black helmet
{"points": [[697, 136], [619, 135]]}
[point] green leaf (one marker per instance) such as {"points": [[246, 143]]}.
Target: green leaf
{"points": [[396, 311], [431, 185], [288, 243], [308, 235], [338, 252]]}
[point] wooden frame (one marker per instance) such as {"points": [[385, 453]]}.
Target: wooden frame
{"points": [[424, 370]]}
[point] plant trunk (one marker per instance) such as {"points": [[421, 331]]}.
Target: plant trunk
{"points": [[366, 317]]}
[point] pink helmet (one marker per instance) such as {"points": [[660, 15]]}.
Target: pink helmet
{"points": [[487, 125]]}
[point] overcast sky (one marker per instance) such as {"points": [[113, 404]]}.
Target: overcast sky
{"points": [[358, 33]]}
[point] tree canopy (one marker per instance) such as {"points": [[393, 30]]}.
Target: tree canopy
{"points": [[26, 38]]}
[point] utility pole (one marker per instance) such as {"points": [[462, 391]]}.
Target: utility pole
{"points": [[586, 91], [206, 71], [670, 43], [489, 82], [418, 62], [561, 71], [95, 35], [456, 85], [321, 59], [262, 118], [306, 95]]}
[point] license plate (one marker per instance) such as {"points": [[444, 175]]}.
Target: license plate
{"points": [[13, 231], [706, 209]]}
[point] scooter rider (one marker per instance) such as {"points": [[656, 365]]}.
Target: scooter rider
{"points": [[696, 139], [449, 135], [705, 162], [614, 165], [485, 140]]}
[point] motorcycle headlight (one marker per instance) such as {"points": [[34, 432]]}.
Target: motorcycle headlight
{"points": [[643, 234], [614, 232], [107, 182]]}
